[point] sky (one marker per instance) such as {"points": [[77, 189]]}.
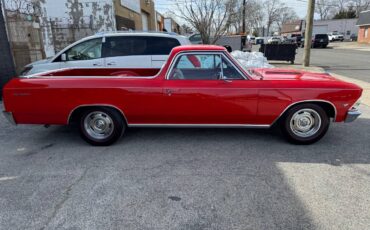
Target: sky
{"points": [[300, 6]]}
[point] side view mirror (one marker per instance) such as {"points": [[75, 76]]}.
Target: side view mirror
{"points": [[63, 57]]}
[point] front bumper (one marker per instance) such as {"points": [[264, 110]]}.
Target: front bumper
{"points": [[9, 117], [352, 115]]}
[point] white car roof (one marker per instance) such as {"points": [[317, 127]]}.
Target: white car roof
{"points": [[182, 39]]}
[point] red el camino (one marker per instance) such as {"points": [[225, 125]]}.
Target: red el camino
{"points": [[199, 86]]}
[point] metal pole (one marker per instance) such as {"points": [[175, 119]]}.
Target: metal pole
{"points": [[308, 33], [244, 3]]}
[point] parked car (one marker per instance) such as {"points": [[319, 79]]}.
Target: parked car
{"points": [[195, 39], [353, 37], [297, 39], [318, 40], [260, 40], [199, 86], [275, 40], [335, 36], [252, 39], [113, 50]]}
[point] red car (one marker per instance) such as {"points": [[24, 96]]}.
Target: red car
{"points": [[199, 86]]}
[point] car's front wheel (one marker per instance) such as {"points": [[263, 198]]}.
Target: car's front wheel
{"points": [[101, 126], [305, 124]]}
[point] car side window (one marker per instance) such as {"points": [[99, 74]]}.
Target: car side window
{"points": [[197, 67], [204, 67], [91, 49], [124, 46], [138, 45], [230, 71], [161, 45]]}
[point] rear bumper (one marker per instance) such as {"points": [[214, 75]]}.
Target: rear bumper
{"points": [[9, 117], [352, 115]]}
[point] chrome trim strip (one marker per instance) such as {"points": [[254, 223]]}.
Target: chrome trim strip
{"points": [[200, 52], [92, 105], [316, 100], [352, 115], [9, 117], [199, 126]]}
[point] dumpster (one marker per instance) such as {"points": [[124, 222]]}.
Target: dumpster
{"points": [[279, 52]]}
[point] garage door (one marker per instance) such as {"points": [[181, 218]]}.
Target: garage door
{"points": [[320, 29]]}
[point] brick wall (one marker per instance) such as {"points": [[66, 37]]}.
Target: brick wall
{"points": [[7, 69], [361, 34]]}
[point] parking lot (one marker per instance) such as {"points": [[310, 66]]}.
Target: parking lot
{"points": [[185, 179]]}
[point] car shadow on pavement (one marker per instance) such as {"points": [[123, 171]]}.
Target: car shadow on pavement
{"points": [[179, 179]]}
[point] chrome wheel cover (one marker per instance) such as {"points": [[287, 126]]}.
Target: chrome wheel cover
{"points": [[98, 125], [305, 123]]}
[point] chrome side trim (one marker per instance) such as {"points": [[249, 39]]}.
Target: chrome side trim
{"points": [[303, 101], [199, 126], [92, 105], [9, 116], [352, 115]]}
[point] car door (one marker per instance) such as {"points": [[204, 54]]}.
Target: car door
{"points": [[198, 91], [160, 48], [87, 54], [126, 52]]}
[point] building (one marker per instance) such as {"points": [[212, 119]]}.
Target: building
{"points": [[160, 21], [171, 26], [39, 29], [363, 24], [7, 69], [135, 15], [293, 27], [347, 27]]}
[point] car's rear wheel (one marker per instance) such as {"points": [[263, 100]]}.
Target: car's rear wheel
{"points": [[101, 126], [305, 124]]}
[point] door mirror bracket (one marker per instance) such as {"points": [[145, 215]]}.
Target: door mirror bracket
{"points": [[63, 57]]}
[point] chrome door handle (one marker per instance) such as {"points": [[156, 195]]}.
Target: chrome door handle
{"points": [[169, 92], [96, 64], [111, 63]]}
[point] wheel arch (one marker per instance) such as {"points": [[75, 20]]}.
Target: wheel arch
{"points": [[75, 112], [328, 107]]}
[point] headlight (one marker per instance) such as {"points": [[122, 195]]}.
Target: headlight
{"points": [[25, 70]]}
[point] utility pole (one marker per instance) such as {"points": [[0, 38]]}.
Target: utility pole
{"points": [[244, 3], [308, 33]]}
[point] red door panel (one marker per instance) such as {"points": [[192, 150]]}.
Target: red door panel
{"points": [[209, 102]]}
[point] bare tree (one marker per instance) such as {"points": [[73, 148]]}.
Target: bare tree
{"points": [[360, 5], [210, 18], [273, 10], [323, 8], [341, 4], [287, 14], [254, 15], [186, 29]]}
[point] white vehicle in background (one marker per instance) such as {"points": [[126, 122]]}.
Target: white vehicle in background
{"points": [[113, 50], [252, 39], [335, 36], [275, 40]]}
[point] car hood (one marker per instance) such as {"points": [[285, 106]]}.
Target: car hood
{"points": [[289, 74]]}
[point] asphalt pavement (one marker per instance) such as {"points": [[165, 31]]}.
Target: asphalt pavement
{"points": [[184, 179], [347, 62]]}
